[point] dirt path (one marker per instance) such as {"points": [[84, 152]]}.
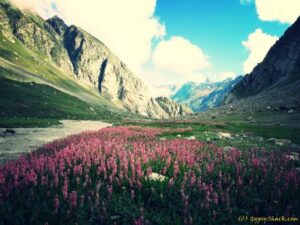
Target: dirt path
{"points": [[28, 139]]}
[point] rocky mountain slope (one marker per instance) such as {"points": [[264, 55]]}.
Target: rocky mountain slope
{"points": [[79, 56], [275, 82], [172, 108], [206, 95]]}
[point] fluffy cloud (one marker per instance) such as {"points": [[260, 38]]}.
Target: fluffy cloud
{"points": [[284, 11], [225, 75], [258, 44], [128, 27], [179, 57]]}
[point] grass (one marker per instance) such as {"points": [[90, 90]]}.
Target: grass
{"points": [[244, 135], [43, 104], [25, 122]]}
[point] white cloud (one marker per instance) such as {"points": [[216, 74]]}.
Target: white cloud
{"points": [[163, 89], [284, 11], [128, 27], [225, 75], [179, 57], [258, 44]]}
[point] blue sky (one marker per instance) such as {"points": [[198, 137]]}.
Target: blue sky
{"points": [[217, 26]]}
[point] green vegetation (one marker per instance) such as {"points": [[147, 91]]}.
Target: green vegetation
{"points": [[32, 100], [14, 122], [34, 92], [243, 135]]}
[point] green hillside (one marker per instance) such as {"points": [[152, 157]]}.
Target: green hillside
{"points": [[31, 86]]}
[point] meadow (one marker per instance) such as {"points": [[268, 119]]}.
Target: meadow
{"points": [[132, 175]]}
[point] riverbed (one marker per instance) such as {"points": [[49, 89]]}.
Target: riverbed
{"points": [[25, 140]]}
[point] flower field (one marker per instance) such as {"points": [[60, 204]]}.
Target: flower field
{"points": [[127, 175]]}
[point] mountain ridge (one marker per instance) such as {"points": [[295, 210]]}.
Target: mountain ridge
{"points": [[203, 96], [280, 66], [80, 56]]}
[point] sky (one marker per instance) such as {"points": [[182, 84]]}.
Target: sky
{"points": [[170, 42]]}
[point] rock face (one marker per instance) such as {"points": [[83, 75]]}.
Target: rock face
{"points": [[203, 96], [82, 56], [278, 73], [172, 108]]}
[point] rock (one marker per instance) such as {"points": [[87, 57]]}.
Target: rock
{"points": [[9, 132], [179, 135], [268, 107], [279, 142], [222, 135], [227, 148], [293, 146], [291, 111], [293, 156], [191, 138], [272, 140], [260, 138], [156, 177], [171, 107], [116, 217], [283, 142], [250, 118]]}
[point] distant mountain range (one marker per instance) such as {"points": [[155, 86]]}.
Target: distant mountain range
{"points": [[274, 84], [203, 96], [72, 61]]}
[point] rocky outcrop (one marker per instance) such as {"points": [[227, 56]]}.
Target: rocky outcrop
{"points": [[203, 96], [172, 108], [82, 56], [35, 34], [281, 67]]}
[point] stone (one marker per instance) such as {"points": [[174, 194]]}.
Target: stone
{"points": [[283, 142], [272, 140], [260, 138], [9, 132], [227, 148], [222, 135], [250, 118], [293, 146], [293, 157], [191, 138], [291, 111], [156, 177]]}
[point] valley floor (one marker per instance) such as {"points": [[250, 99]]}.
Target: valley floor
{"points": [[27, 139]]}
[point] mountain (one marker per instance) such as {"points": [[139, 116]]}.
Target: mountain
{"points": [[276, 80], [202, 96], [53, 53], [172, 108]]}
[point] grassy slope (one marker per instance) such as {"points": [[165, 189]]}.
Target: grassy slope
{"points": [[245, 132], [54, 95]]}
